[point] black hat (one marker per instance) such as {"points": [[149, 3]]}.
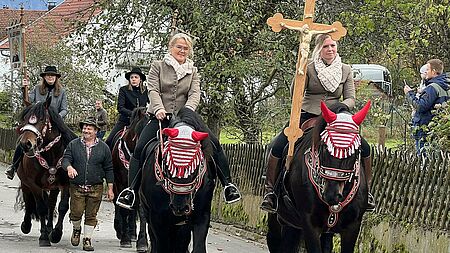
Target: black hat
{"points": [[135, 71], [50, 70], [89, 121]]}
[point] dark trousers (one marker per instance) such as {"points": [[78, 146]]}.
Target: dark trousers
{"points": [[18, 153], [117, 127]]}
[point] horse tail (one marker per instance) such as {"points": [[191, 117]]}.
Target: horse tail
{"points": [[25, 201]]}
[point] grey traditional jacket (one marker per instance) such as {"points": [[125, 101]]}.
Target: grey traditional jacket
{"points": [[166, 92], [59, 103], [315, 92]]}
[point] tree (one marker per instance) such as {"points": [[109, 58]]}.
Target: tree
{"points": [[242, 62]]}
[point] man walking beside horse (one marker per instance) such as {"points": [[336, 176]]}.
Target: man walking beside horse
{"points": [[87, 162]]}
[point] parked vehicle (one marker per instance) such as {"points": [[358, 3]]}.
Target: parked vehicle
{"points": [[374, 74]]}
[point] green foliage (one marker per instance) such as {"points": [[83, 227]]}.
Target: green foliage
{"points": [[439, 128]]}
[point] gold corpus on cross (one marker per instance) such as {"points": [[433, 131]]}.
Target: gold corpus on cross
{"points": [[307, 29]]}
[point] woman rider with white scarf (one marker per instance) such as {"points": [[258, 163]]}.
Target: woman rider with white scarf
{"points": [[173, 83], [327, 79]]}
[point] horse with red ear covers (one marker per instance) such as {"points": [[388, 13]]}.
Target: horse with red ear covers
{"points": [[178, 180], [324, 190]]}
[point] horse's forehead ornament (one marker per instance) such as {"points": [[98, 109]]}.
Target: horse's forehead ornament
{"points": [[341, 136], [32, 119]]}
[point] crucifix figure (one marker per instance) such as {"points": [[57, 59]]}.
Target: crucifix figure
{"points": [[307, 29]]}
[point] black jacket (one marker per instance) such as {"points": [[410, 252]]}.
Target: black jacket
{"points": [[92, 171], [128, 100]]}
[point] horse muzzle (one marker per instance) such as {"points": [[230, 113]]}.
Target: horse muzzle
{"points": [[181, 205]]}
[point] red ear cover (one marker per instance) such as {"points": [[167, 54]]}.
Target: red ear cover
{"points": [[359, 117], [171, 132], [327, 114], [198, 136]]}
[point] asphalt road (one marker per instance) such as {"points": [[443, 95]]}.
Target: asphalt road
{"points": [[104, 240]]}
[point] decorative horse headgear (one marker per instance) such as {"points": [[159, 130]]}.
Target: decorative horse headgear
{"points": [[341, 134], [182, 156]]}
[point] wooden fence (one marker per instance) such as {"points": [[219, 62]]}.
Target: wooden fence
{"points": [[406, 188], [8, 138]]}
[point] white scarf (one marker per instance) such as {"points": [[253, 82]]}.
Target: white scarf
{"points": [[181, 69], [330, 76]]}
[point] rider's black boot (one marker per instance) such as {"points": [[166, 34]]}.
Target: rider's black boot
{"points": [[230, 191], [127, 197], [11, 171]]}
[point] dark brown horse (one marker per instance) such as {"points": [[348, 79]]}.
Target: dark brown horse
{"points": [[324, 190], [124, 219], [43, 138], [177, 186]]}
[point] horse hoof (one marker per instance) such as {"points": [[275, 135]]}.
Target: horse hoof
{"points": [[125, 244], [55, 236], [25, 227], [141, 249], [44, 243], [133, 238]]}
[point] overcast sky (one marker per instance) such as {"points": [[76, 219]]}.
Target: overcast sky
{"points": [[27, 4]]}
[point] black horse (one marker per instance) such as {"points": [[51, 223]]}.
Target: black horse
{"points": [[324, 190], [124, 219], [177, 186], [43, 138]]}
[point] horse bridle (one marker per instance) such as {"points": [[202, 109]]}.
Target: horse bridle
{"points": [[39, 141]]}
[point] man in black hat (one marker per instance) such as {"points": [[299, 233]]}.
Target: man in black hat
{"points": [[87, 162]]}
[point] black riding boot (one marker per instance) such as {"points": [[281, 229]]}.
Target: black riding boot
{"points": [[269, 202], [231, 192], [11, 171], [127, 197], [367, 162]]}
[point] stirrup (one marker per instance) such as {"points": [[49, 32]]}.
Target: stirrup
{"points": [[125, 192], [266, 208], [236, 192]]}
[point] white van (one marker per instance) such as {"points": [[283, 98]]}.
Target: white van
{"points": [[375, 74]]}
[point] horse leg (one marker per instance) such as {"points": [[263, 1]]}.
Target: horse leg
{"points": [[41, 199], [182, 235], [200, 231], [132, 225], [142, 241], [326, 241], [312, 239], [30, 209], [118, 221], [63, 207], [290, 240], [125, 239], [52, 199], [349, 237], [273, 237]]}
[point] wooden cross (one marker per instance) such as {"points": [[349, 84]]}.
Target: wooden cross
{"points": [[307, 29]]}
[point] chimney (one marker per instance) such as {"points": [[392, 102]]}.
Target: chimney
{"points": [[51, 4]]}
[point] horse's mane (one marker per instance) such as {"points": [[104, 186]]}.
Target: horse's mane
{"points": [[39, 110], [191, 118], [135, 120], [321, 123]]}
